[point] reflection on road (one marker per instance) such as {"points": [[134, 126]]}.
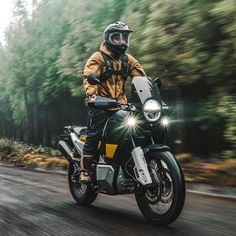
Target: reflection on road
{"points": [[33, 203]]}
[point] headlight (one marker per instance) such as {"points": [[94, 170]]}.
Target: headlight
{"points": [[131, 121], [165, 121], [130, 124], [152, 110]]}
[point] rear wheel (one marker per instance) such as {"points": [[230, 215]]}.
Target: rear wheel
{"points": [[83, 194], [162, 201]]}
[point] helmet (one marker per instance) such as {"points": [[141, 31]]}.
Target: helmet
{"points": [[116, 36]]}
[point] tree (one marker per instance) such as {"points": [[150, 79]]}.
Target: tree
{"points": [[189, 45]]}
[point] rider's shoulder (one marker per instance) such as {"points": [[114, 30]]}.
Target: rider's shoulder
{"points": [[131, 59], [96, 56]]}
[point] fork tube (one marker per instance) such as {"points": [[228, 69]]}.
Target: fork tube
{"points": [[152, 140], [133, 142]]}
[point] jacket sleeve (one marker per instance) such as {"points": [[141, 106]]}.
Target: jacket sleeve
{"points": [[93, 65], [135, 69]]}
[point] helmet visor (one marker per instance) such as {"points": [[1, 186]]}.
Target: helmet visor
{"points": [[119, 38]]}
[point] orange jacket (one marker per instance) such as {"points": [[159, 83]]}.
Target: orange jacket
{"points": [[115, 84]]}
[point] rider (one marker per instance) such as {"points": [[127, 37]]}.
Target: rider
{"points": [[113, 66]]}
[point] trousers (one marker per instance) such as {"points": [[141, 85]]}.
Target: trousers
{"points": [[97, 119]]}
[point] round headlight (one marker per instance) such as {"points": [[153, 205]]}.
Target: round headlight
{"points": [[152, 110]]}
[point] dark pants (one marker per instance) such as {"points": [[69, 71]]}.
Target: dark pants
{"points": [[96, 121]]}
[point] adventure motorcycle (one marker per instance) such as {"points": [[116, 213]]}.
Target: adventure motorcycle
{"points": [[130, 158]]}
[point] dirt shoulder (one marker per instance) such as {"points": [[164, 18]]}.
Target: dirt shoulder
{"points": [[211, 171], [23, 155]]}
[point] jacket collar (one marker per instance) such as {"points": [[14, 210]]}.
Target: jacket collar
{"points": [[106, 50]]}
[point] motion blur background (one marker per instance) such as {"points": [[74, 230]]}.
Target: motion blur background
{"points": [[189, 44]]}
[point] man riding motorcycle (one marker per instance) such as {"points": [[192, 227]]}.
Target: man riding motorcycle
{"points": [[112, 65]]}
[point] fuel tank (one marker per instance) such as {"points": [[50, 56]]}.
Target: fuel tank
{"points": [[115, 130], [115, 136]]}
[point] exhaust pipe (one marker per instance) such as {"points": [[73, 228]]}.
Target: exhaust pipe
{"points": [[66, 151]]}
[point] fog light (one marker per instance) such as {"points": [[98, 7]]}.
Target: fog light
{"points": [[165, 121], [131, 121]]}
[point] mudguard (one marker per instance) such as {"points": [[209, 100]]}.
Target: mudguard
{"points": [[155, 147]]}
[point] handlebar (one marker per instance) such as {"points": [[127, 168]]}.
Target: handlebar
{"points": [[128, 107], [113, 103], [107, 103]]}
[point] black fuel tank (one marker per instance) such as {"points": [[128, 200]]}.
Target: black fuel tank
{"points": [[116, 128]]}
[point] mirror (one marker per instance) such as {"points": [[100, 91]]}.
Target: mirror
{"points": [[158, 82]]}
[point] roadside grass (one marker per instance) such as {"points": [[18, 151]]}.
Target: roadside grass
{"points": [[184, 157], [208, 170], [215, 171], [21, 154]]}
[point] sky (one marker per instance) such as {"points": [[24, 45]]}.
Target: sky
{"points": [[6, 7]]}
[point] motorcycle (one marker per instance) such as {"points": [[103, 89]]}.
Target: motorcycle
{"points": [[131, 161]]}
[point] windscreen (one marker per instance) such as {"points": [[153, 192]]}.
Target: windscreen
{"points": [[146, 88]]}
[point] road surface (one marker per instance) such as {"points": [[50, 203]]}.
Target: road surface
{"points": [[35, 203]]}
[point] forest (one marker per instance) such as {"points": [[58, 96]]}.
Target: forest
{"points": [[190, 45]]}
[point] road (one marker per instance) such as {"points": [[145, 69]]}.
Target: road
{"points": [[35, 203]]}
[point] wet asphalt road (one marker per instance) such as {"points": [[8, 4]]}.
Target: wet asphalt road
{"points": [[34, 203]]}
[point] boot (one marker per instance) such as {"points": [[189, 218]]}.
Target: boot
{"points": [[85, 168]]}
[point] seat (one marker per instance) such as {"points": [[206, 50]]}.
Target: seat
{"points": [[80, 130]]}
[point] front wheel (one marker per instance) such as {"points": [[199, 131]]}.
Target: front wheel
{"points": [[162, 201], [83, 194]]}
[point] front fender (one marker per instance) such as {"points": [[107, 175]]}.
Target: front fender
{"points": [[155, 147], [151, 150]]}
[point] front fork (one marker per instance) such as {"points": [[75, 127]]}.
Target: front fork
{"points": [[141, 169]]}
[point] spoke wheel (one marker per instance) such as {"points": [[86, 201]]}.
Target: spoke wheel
{"points": [[83, 194], [162, 201]]}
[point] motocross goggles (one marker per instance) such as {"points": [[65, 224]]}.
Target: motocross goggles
{"points": [[119, 38]]}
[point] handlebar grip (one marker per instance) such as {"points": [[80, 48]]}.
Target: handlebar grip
{"points": [[128, 107]]}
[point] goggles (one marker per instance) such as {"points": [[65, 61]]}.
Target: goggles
{"points": [[119, 38]]}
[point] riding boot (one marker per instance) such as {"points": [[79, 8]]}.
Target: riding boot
{"points": [[85, 168]]}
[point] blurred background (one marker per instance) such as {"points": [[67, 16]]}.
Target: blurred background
{"points": [[189, 44]]}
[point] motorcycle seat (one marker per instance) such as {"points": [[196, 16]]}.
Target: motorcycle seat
{"points": [[80, 130]]}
